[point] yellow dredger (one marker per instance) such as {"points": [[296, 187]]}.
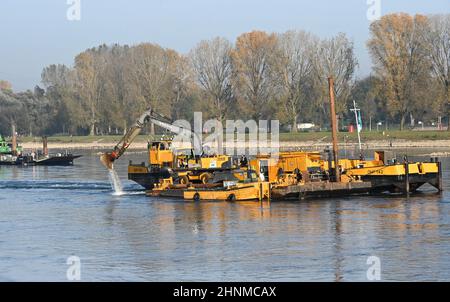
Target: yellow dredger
{"points": [[285, 175], [296, 175], [164, 161]]}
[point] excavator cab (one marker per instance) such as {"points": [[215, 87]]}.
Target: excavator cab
{"points": [[161, 154]]}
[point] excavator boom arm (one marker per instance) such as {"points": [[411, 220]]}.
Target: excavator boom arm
{"points": [[131, 134], [108, 158]]}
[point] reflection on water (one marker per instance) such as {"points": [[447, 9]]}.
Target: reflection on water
{"points": [[49, 213]]}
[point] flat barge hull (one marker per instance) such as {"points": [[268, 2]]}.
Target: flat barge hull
{"points": [[320, 189], [396, 184], [64, 160], [242, 192]]}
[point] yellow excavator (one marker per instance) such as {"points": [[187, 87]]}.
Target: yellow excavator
{"points": [[149, 115], [185, 166]]}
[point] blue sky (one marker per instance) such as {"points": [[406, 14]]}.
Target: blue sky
{"points": [[36, 33]]}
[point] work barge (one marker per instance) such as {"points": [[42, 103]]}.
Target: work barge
{"points": [[301, 175], [294, 175]]}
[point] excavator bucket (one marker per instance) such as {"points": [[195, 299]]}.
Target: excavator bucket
{"points": [[107, 160]]}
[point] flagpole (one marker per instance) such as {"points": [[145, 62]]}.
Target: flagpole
{"points": [[355, 110]]}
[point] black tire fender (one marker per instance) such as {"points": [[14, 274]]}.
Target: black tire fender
{"points": [[231, 197]]}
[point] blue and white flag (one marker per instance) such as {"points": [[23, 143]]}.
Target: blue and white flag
{"points": [[360, 125]]}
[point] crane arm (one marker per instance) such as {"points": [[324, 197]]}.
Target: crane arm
{"points": [[108, 158], [187, 133]]}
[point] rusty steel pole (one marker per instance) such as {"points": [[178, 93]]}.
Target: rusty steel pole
{"points": [[337, 174], [45, 145]]}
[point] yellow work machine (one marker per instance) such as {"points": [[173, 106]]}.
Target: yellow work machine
{"points": [[180, 164], [300, 168], [184, 166]]}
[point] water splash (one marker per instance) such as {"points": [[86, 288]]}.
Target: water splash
{"points": [[115, 182]]}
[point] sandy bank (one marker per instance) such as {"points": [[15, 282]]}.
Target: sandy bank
{"points": [[378, 144]]}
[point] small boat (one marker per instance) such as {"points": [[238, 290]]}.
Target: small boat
{"points": [[29, 160], [12, 155], [56, 160]]}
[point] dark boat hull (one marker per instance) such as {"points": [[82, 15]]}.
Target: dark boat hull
{"points": [[396, 184], [148, 179], [63, 160], [371, 184]]}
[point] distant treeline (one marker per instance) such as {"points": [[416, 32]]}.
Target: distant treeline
{"points": [[259, 76]]}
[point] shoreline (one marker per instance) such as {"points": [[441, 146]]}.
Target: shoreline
{"points": [[311, 145]]}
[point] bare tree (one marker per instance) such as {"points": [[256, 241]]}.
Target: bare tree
{"points": [[335, 57], [150, 73], [399, 58], [56, 75], [89, 84], [294, 70], [114, 98], [182, 83], [252, 63], [437, 44], [211, 62]]}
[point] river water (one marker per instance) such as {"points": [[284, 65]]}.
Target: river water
{"points": [[48, 214]]}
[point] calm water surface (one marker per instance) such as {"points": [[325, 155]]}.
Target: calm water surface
{"points": [[50, 213]]}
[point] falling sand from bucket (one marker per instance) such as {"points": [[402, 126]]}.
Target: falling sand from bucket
{"points": [[115, 182]]}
